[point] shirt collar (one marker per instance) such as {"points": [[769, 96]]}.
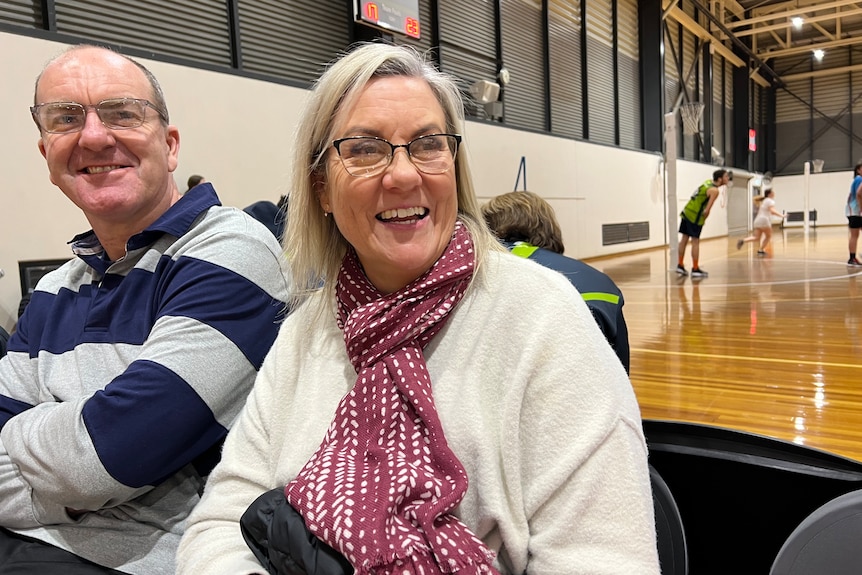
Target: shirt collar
{"points": [[177, 220]]}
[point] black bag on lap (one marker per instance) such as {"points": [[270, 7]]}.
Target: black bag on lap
{"points": [[279, 539]]}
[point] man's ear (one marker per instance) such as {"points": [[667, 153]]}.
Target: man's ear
{"points": [[42, 150], [172, 139]]}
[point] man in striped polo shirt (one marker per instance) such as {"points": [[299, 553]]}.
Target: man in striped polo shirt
{"points": [[132, 360]]}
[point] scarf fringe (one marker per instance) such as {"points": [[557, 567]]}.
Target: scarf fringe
{"points": [[417, 560]]}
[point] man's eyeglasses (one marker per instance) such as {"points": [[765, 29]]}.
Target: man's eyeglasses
{"points": [[367, 156], [115, 113]]}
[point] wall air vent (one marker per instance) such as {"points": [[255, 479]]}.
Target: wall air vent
{"points": [[624, 233]]}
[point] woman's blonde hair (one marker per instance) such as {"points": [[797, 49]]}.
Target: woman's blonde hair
{"points": [[314, 246], [524, 216]]}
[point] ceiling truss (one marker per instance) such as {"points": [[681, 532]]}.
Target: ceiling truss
{"points": [[765, 33]]}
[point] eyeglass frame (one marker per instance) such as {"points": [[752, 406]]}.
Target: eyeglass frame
{"points": [[337, 143], [34, 112]]}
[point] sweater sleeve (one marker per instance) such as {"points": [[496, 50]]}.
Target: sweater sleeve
{"points": [[584, 466], [213, 543], [573, 494], [217, 305]]}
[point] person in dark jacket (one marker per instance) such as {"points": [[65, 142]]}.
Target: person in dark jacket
{"points": [[527, 225], [273, 216]]}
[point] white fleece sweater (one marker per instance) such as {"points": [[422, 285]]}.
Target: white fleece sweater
{"points": [[533, 402]]}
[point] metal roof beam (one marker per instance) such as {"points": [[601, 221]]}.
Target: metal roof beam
{"points": [[796, 12], [823, 73], [809, 20], [688, 22], [792, 51]]}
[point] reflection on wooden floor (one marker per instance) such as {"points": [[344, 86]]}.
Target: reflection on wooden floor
{"points": [[769, 345]]}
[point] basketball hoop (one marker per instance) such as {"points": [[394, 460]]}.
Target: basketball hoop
{"points": [[818, 166], [691, 113]]}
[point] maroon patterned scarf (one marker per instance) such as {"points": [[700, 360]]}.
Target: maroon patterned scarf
{"points": [[381, 486]]}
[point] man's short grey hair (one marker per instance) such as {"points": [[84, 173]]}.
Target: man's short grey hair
{"points": [[157, 97]]}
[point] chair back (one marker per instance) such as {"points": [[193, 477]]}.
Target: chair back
{"points": [[670, 534], [827, 541]]}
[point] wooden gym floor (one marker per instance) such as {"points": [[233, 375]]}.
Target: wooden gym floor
{"points": [[769, 345]]}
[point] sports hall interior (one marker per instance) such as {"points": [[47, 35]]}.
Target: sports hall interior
{"points": [[614, 111]]}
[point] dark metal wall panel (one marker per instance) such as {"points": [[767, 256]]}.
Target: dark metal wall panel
{"points": [[195, 30], [794, 144], [524, 97], [467, 67], [565, 29], [293, 40], [855, 151], [600, 71], [728, 113], [790, 103], [21, 13], [718, 105], [468, 23], [830, 141], [689, 59], [671, 75], [650, 35], [793, 125], [856, 118], [672, 46], [628, 72], [468, 45], [819, 117], [830, 145]]}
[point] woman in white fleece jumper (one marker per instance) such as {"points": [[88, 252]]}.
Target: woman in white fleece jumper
{"points": [[435, 404]]}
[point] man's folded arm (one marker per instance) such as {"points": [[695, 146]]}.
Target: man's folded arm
{"points": [[166, 411]]}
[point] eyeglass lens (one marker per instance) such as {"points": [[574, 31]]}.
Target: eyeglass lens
{"points": [[119, 114], [434, 154]]}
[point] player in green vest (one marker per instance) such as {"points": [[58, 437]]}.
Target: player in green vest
{"points": [[692, 218]]}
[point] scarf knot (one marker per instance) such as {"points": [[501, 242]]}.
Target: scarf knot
{"points": [[383, 483]]}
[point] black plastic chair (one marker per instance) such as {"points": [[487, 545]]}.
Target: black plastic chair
{"points": [[827, 541], [672, 552], [741, 495]]}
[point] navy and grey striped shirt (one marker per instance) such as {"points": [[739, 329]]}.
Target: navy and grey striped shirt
{"points": [[123, 378]]}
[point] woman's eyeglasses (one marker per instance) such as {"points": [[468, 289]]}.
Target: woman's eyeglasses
{"points": [[367, 156]]}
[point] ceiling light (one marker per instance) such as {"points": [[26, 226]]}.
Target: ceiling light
{"points": [[797, 22], [818, 54]]}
